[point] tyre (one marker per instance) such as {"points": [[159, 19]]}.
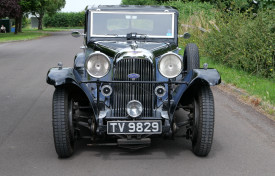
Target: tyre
{"points": [[203, 121], [191, 57], [63, 130]]}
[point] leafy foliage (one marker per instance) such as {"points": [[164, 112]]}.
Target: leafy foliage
{"points": [[9, 8], [188, 9], [139, 2], [245, 42], [267, 4], [12, 9], [65, 19], [41, 7], [240, 33], [224, 5]]}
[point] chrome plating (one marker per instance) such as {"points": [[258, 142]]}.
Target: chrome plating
{"points": [[109, 87], [160, 87], [170, 53], [138, 53], [96, 53]]}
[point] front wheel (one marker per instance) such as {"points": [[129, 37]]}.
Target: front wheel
{"points": [[63, 130], [203, 121]]}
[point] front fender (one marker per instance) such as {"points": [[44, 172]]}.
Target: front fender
{"points": [[211, 76], [57, 77], [193, 78], [68, 76]]}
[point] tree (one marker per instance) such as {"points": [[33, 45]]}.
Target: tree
{"points": [[139, 2], [11, 9], [40, 7], [25, 8]]}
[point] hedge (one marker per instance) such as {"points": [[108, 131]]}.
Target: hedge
{"points": [[63, 19], [245, 41]]}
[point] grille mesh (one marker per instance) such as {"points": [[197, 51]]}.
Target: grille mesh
{"points": [[125, 92]]}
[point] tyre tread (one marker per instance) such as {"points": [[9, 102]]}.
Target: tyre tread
{"points": [[206, 122], [60, 124]]}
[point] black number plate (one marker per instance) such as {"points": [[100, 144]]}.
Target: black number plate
{"points": [[134, 127]]}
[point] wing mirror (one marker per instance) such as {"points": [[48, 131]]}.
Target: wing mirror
{"points": [[186, 35], [77, 34]]}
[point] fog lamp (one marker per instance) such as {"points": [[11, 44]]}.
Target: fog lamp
{"points": [[134, 108]]}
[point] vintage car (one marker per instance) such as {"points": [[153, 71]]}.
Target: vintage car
{"points": [[129, 81]]}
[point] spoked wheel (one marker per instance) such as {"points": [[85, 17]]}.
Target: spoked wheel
{"points": [[191, 57], [203, 121], [63, 126]]}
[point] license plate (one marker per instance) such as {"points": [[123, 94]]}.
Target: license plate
{"points": [[134, 127]]}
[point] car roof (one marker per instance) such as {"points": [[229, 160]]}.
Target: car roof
{"points": [[133, 8]]}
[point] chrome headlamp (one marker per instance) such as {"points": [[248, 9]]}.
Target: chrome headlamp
{"points": [[170, 65], [134, 108], [98, 65]]}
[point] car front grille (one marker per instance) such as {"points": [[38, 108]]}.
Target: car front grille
{"points": [[125, 92]]}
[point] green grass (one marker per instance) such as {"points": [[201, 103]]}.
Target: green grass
{"points": [[56, 29], [253, 85], [30, 33], [27, 35]]}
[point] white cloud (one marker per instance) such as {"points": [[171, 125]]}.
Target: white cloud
{"points": [[79, 5]]}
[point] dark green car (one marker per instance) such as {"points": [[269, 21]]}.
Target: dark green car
{"points": [[129, 81]]}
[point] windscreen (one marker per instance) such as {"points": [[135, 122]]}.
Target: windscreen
{"points": [[108, 24]]}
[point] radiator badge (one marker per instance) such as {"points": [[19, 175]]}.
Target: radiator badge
{"points": [[133, 76]]}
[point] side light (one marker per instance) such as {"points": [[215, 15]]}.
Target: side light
{"points": [[106, 90], [160, 91]]}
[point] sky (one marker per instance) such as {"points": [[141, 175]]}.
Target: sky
{"points": [[79, 5]]}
